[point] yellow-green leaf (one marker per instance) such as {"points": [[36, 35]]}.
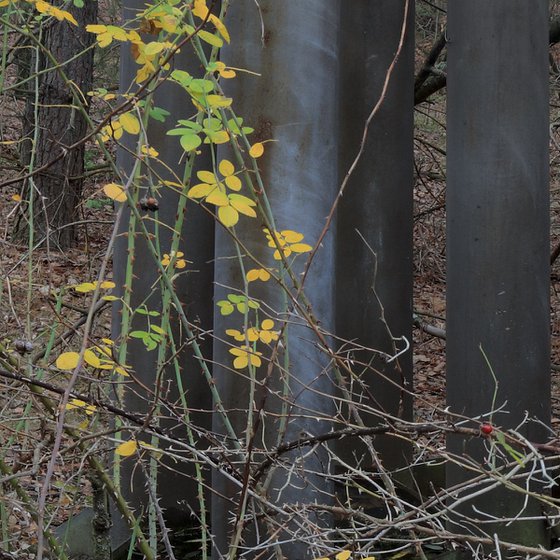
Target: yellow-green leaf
{"points": [[107, 285], [190, 142], [68, 361], [114, 191], [218, 137], [218, 101], [210, 38], [127, 448], [154, 48]]}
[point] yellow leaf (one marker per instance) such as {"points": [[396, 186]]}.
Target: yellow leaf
{"points": [[107, 285], [253, 275], [267, 324], [291, 236], [264, 275], [85, 287], [16, 197], [233, 183], [257, 150], [201, 190], [114, 191], [130, 123], [344, 555], [91, 359], [226, 168], [42, 7], [67, 361], [228, 216], [96, 28], [220, 27], [301, 247], [206, 176], [121, 371], [228, 74], [127, 448], [217, 198], [199, 9]]}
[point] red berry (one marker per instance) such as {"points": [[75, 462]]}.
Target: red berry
{"points": [[486, 429]]}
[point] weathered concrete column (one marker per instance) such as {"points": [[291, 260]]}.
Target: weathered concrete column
{"points": [[294, 102], [497, 236], [374, 228], [176, 486]]}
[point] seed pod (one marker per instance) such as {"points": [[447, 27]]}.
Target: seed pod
{"points": [[148, 203], [23, 346]]}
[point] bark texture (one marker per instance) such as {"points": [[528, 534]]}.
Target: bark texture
{"points": [[53, 122]]}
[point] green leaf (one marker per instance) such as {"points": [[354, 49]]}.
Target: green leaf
{"points": [[139, 334], [184, 78], [179, 131], [199, 85], [150, 344], [226, 308], [79, 3], [157, 329], [190, 124], [159, 114], [97, 203], [190, 142]]}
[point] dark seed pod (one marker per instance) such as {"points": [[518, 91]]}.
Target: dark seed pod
{"points": [[23, 346], [149, 203]]}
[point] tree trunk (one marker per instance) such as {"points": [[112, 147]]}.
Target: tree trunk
{"points": [[52, 122]]}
